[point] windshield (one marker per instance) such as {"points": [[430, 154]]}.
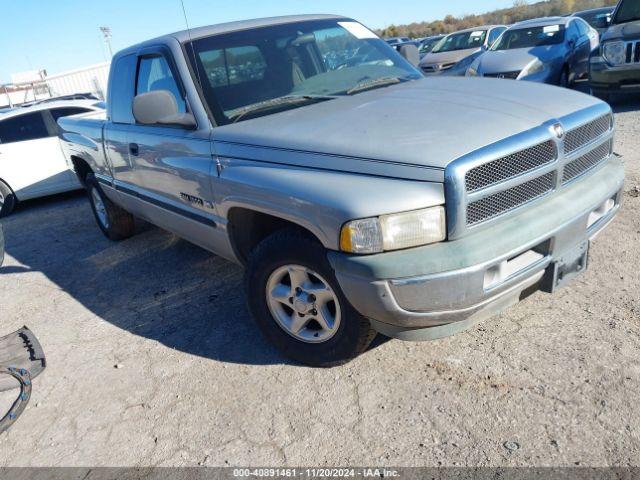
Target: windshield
{"points": [[313, 60], [461, 41], [428, 45], [628, 11], [530, 37]]}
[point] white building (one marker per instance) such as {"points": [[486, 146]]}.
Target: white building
{"points": [[37, 85]]}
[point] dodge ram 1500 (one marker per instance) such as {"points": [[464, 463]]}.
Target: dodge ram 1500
{"points": [[360, 196]]}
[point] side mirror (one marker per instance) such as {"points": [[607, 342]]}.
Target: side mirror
{"points": [[159, 107], [411, 53]]}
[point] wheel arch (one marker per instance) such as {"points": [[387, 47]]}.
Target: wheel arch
{"points": [[2, 180], [81, 168], [247, 227]]}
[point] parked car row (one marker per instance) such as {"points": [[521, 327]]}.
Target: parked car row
{"points": [[600, 45], [553, 50], [549, 50]]}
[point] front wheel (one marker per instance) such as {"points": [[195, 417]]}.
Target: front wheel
{"points": [[294, 297], [115, 222]]}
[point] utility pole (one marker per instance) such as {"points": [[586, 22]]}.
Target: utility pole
{"points": [[106, 32]]}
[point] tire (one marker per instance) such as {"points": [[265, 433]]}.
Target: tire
{"points": [[291, 250], [115, 222], [7, 200]]}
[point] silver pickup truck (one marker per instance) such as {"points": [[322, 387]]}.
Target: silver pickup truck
{"points": [[360, 196]]}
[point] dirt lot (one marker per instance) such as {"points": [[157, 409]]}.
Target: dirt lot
{"points": [[153, 360]]}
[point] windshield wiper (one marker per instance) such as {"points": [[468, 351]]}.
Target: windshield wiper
{"points": [[375, 83], [276, 102]]}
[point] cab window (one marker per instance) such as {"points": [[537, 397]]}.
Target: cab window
{"points": [[234, 65], [154, 73]]}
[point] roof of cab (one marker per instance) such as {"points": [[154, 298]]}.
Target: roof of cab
{"points": [[221, 28]]}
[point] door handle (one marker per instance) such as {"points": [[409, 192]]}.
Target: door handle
{"points": [[134, 149]]}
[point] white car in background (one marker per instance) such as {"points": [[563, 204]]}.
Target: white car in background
{"points": [[32, 163]]}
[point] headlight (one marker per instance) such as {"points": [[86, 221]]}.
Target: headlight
{"points": [[394, 232], [534, 67], [615, 53]]}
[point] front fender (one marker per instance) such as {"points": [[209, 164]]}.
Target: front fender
{"points": [[319, 200]]}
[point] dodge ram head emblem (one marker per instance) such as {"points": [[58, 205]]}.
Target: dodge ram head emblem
{"points": [[558, 130]]}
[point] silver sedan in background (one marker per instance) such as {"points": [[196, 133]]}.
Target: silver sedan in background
{"points": [[457, 46], [551, 50]]}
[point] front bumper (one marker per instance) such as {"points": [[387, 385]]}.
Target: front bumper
{"points": [[607, 79], [439, 289]]}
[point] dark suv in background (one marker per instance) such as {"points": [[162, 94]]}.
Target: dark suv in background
{"points": [[615, 66]]}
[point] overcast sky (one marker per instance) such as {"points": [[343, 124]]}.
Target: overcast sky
{"points": [[59, 35]]}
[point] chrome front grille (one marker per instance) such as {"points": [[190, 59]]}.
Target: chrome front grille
{"points": [[499, 179], [510, 166], [579, 137], [506, 200], [586, 162]]}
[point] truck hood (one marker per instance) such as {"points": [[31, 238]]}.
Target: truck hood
{"points": [[427, 123], [499, 61], [623, 31]]}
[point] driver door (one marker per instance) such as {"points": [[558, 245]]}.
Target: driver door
{"points": [[173, 164]]}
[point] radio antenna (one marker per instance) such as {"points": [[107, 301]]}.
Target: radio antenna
{"points": [[193, 52]]}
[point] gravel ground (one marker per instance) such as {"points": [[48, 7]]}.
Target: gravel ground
{"points": [[153, 360]]}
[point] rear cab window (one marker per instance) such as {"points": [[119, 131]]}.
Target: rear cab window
{"points": [[234, 65]]}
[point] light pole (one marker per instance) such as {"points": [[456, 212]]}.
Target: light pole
{"points": [[106, 32]]}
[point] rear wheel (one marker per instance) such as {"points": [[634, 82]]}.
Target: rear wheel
{"points": [[7, 200], [295, 299], [115, 222]]}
